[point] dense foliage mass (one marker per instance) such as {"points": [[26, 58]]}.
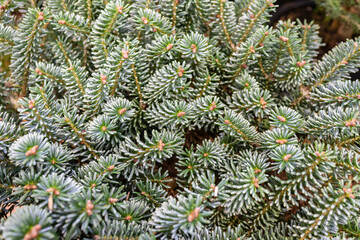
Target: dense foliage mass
{"points": [[173, 119]]}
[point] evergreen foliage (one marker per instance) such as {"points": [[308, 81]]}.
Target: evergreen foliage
{"points": [[164, 119]]}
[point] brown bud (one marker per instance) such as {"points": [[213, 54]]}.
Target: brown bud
{"points": [[358, 97], [247, 85], [181, 71], [93, 185], [32, 151], [112, 200], [32, 103], [300, 64], [344, 62], [143, 193], [154, 29], [50, 190], [103, 79], [122, 111], [261, 44], [181, 114], [189, 167], [61, 22], [103, 128], [193, 48], [213, 106], [161, 145], [351, 123], [110, 168], [128, 218], [287, 157], [256, 182], [119, 9], [2, 7], [56, 192], [257, 170], [170, 46], [284, 39], [252, 50], [30, 187], [271, 4], [281, 141], [281, 118], [89, 208], [266, 33], [53, 162], [194, 214], [145, 21], [263, 103], [252, 16], [125, 53], [40, 18], [206, 154], [227, 122], [38, 71], [33, 233], [244, 66]]}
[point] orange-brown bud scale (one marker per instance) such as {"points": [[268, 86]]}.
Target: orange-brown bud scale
{"points": [[119, 9], [287, 157], [103, 79], [263, 103], [125, 53], [89, 208], [170, 46], [193, 48], [32, 151], [181, 114], [110, 168], [32, 103], [181, 71], [161, 145], [256, 182], [112, 200], [281, 141], [145, 21], [194, 214], [284, 39], [122, 111], [301, 64], [281, 118], [33, 233]]}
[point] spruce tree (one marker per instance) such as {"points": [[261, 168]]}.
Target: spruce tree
{"points": [[174, 119]]}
